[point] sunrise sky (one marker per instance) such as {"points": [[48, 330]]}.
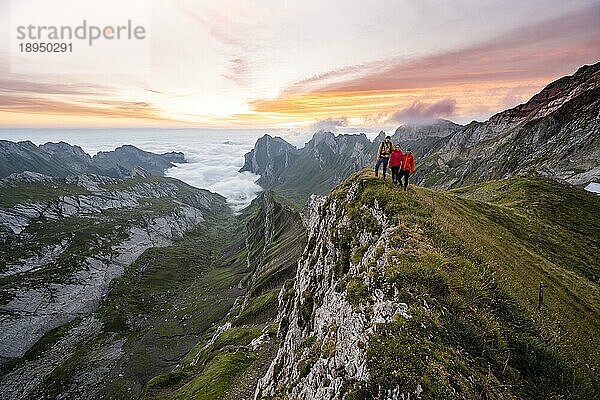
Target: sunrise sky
{"points": [[313, 64]]}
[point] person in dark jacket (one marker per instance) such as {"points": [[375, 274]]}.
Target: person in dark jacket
{"points": [[383, 155], [408, 167], [395, 164]]}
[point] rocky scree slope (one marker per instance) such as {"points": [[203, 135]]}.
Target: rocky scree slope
{"points": [[192, 320], [62, 159], [63, 240], [433, 295]]}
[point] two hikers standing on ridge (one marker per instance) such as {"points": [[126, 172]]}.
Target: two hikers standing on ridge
{"points": [[402, 165]]}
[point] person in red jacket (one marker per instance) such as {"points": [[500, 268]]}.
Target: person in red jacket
{"points": [[396, 163], [408, 167]]}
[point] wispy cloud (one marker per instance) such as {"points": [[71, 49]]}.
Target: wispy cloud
{"points": [[419, 113], [329, 124], [482, 75], [17, 85], [545, 49], [240, 71], [104, 108], [239, 35]]}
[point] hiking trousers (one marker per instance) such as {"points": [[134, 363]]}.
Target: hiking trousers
{"points": [[404, 174], [395, 174], [384, 161]]}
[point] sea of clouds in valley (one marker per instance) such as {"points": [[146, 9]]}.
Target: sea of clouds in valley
{"points": [[213, 157]]}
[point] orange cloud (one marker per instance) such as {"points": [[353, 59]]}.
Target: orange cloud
{"points": [[378, 106], [481, 78], [11, 106]]}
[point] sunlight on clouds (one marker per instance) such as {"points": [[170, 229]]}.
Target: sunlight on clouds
{"points": [[292, 64], [471, 100]]}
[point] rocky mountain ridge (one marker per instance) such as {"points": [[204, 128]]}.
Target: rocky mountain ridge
{"points": [[393, 300], [62, 159], [60, 251], [555, 134]]}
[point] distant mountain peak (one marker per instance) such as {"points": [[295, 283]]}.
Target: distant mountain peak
{"points": [[322, 136], [268, 154], [62, 159]]}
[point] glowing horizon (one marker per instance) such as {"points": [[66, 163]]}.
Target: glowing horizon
{"points": [[271, 64]]}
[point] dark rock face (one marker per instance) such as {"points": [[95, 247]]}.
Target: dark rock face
{"points": [[174, 157], [270, 154], [26, 156], [62, 159], [71, 157], [124, 159]]}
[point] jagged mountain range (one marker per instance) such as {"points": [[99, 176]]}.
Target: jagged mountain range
{"points": [[555, 134], [322, 163], [62, 159]]}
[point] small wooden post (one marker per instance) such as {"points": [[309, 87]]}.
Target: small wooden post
{"points": [[541, 296]]}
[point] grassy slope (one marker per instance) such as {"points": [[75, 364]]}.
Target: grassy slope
{"points": [[162, 304], [22, 192], [469, 271], [533, 230], [227, 369], [166, 300]]}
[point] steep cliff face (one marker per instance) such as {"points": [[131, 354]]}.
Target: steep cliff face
{"points": [[555, 134], [64, 240], [274, 237], [325, 161], [431, 295]]}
